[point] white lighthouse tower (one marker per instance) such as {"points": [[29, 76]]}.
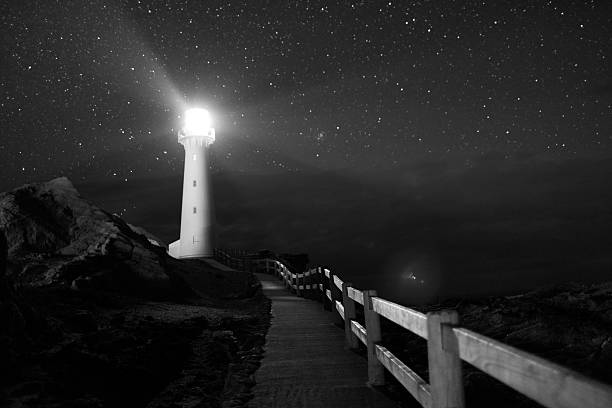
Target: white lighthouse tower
{"points": [[196, 215]]}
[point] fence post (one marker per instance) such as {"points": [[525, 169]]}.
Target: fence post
{"points": [[349, 315], [376, 371], [308, 281], [445, 377], [325, 283], [297, 285], [320, 289], [336, 296], [313, 281], [287, 276], [290, 278]]}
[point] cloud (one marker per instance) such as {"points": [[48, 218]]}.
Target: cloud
{"points": [[497, 227]]}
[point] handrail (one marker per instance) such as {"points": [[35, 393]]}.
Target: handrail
{"points": [[547, 383], [340, 309], [356, 295], [541, 380], [338, 282], [415, 385], [408, 318], [359, 331]]}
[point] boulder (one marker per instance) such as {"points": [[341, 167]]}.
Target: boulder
{"points": [[55, 237]]}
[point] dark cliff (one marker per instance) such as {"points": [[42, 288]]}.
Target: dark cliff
{"points": [[56, 238], [96, 314]]}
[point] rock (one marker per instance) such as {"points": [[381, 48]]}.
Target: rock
{"points": [[83, 321], [104, 317], [58, 238], [154, 240], [3, 254]]}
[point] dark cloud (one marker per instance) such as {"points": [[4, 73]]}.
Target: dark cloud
{"points": [[499, 226]]}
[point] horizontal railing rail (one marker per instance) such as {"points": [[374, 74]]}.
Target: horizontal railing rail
{"points": [[448, 344]]}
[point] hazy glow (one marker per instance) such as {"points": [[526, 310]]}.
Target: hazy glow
{"points": [[197, 122]]}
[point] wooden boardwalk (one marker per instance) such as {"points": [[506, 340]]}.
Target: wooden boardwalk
{"points": [[305, 362]]}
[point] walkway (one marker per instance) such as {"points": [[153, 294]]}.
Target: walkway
{"points": [[305, 362]]}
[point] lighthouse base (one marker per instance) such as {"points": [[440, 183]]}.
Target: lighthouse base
{"points": [[174, 250]]}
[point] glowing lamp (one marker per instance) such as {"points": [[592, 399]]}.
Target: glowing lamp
{"points": [[197, 121]]}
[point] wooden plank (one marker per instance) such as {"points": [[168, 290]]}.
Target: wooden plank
{"points": [[356, 295], [338, 282], [415, 385], [305, 363], [376, 371], [445, 377], [541, 380], [360, 331], [350, 314], [325, 296], [408, 318], [296, 281], [340, 309]]}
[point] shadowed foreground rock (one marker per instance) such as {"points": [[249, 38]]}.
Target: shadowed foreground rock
{"points": [[102, 317]]}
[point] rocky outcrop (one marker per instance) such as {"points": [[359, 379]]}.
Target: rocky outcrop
{"points": [[95, 313], [56, 238]]}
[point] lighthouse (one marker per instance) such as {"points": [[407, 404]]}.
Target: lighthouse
{"points": [[196, 135]]}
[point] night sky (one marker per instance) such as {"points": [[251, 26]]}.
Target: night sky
{"points": [[467, 145]]}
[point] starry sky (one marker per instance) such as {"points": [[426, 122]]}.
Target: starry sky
{"points": [[410, 122]]}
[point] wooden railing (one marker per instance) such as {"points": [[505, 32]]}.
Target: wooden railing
{"points": [[232, 258], [547, 383]]}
